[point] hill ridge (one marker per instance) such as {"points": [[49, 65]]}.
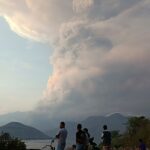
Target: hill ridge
{"points": [[22, 131]]}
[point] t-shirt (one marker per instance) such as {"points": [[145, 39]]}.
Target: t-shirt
{"points": [[62, 136], [80, 137]]}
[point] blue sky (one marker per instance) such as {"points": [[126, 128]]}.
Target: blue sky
{"points": [[24, 70]]}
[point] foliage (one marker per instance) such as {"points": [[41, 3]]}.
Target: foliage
{"points": [[116, 139], [9, 143], [137, 128]]}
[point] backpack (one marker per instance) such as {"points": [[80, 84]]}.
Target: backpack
{"points": [[83, 137]]}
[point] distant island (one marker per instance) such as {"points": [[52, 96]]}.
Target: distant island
{"points": [[24, 132]]}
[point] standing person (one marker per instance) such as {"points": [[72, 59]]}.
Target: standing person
{"points": [[142, 145], [106, 137], [80, 138], [87, 138], [61, 136]]}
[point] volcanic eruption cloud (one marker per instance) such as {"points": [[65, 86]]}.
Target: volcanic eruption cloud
{"points": [[101, 54]]}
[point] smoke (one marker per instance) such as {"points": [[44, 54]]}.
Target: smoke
{"points": [[80, 5], [36, 20], [101, 53]]}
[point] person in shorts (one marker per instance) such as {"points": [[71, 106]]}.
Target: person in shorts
{"points": [[61, 136]]}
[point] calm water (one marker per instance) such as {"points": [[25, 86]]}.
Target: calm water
{"points": [[37, 144]]}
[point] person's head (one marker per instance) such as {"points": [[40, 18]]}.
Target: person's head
{"points": [[140, 140], [79, 127], [62, 124], [105, 127], [85, 130]]}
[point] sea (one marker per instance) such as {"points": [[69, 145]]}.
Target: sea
{"points": [[38, 144]]}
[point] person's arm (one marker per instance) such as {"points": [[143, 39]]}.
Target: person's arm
{"points": [[58, 135], [102, 135], [76, 137], [88, 135]]}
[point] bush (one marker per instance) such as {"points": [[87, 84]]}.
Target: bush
{"points": [[9, 143], [137, 128]]}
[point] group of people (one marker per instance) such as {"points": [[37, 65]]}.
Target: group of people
{"points": [[82, 138]]}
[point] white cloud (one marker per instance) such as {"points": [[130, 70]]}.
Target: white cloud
{"points": [[35, 19]]}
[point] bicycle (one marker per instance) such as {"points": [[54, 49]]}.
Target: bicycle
{"points": [[50, 147]]}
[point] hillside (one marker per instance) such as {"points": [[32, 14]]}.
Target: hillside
{"points": [[22, 131]]}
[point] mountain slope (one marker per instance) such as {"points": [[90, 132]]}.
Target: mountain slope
{"points": [[22, 131]]}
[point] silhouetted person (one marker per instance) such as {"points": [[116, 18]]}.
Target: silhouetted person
{"points": [[80, 138], [106, 137], [142, 145], [87, 138], [61, 136]]}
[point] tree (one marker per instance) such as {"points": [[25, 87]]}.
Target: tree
{"points": [[9, 143], [116, 139], [137, 128]]}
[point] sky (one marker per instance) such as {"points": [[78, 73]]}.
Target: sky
{"points": [[75, 57], [24, 67]]}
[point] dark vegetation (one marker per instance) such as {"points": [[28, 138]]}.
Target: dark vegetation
{"points": [[9, 143], [137, 128]]}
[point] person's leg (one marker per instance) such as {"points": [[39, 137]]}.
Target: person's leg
{"points": [[106, 148], [86, 147], [61, 146], [58, 147], [79, 147]]}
